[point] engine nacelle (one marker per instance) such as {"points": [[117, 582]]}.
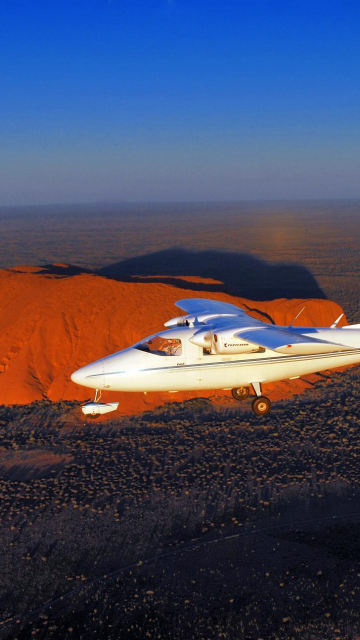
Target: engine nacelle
{"points": [[224, 343], [202, 338]]}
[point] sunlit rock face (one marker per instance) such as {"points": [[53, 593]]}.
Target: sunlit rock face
{"points": [[54, 321]]}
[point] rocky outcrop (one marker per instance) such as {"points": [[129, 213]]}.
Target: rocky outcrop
{"points": [[54, 323]]}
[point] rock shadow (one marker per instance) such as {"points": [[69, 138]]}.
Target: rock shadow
{"points": [[63, 270], [239, 274]]}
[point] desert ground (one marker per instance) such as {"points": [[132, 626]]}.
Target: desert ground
{"points": [[187, 519]]}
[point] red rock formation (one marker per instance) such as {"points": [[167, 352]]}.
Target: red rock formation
{"points": [[51, 325]]}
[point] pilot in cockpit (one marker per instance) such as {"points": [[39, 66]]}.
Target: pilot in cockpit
{"points": [[173, 347]]}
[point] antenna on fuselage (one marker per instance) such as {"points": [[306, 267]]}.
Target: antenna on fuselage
{"points": [[296, 317], [334, 324]]}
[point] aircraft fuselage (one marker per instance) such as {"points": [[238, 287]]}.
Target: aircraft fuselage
{"points": [[186, 366]]}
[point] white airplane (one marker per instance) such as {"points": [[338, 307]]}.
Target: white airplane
{"points": [[216, 345]]}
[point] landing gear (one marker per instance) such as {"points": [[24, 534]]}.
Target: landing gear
{"points": [[91, 408], [241, 393], [261, 406], [93, 415], [96, 408]]}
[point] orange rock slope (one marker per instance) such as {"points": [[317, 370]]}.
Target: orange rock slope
{"points": [[51, 325]]}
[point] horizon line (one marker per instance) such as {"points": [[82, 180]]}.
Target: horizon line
{"points": [[113, 203]]}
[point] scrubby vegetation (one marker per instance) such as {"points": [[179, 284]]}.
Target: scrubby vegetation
{"points": [[207, 521]]}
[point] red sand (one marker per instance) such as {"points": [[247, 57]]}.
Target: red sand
{"points": [[50, 326]]}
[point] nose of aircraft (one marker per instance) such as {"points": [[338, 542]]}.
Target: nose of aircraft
{"points": [[78, 376], [92, 375]]}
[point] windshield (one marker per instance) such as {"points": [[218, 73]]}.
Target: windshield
{"points": [[161, 346]]}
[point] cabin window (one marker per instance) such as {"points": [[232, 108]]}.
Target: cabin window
{"points": [[162, 346]]}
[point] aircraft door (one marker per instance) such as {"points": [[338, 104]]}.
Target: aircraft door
{"points": [[217, 371], [193, 369]]}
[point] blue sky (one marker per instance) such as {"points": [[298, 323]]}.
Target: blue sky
{"points": [[178, 100]]}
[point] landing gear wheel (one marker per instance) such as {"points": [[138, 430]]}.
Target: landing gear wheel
{"points": [[261, 406], [241, 393], [93, 416]]}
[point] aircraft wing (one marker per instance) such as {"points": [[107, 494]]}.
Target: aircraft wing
{"points": [[202, 306], [289, 342], [209, 312], [222, 316]]}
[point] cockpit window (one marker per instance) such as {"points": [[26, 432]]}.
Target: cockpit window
{"points": [[161, 346]]}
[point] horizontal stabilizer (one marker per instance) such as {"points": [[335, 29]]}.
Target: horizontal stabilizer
{"points": [[288, 342]]}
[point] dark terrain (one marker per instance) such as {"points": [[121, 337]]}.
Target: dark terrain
{"points": [[195, 521], [189, 522]]}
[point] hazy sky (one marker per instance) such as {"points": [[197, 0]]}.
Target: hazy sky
{"points": [[178, 100]]}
